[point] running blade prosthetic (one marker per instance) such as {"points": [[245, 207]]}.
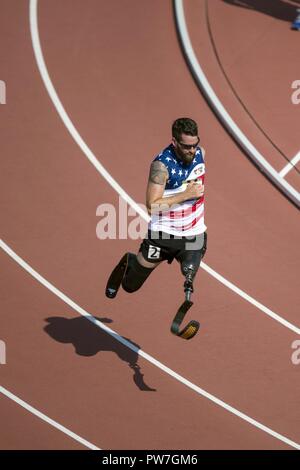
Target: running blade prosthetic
{"points": [[190, 329]]}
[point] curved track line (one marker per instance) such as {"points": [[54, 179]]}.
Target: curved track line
{"points": [[64, 116], [221, 112], [45, 418], [100, 168], [238, 97], [290, 166], [251, 300], [143, 354]]}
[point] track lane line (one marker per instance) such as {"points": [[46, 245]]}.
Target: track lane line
{"points": [[222, 113], [100, 168], [63, 114], [143, 354], [48, 420], [251, 300], [289, 166]]}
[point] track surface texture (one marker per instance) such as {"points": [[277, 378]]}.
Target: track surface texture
{"points": [[120, 74]]}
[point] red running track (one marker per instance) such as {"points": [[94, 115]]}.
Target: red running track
{"points": [[119, 72]]}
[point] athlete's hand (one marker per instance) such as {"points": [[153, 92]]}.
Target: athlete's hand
{"points": [[194, 190]]}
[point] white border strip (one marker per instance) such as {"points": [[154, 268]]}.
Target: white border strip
{"points": [[228, 122], [290, 165], [48, 420], [143, 354], [88, 153]]}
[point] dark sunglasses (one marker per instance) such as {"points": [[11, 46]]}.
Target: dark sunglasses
{"points": [[188, 146]]}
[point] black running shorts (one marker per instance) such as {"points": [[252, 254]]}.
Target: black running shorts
{"points": [[161, 246]]}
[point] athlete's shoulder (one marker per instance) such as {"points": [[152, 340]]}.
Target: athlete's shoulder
{"points": [[166, 156], [200, 152], [158, 172]]}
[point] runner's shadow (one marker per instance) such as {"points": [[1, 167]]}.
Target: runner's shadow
{"points": [[280, 9], [88, 340]]}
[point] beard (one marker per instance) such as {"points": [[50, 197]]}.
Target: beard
{"points": [[186, 158]]}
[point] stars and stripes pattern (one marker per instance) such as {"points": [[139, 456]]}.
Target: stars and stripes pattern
{"points": [[187, 218]]}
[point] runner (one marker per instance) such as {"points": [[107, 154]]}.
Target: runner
{"points": [[175, 202]]}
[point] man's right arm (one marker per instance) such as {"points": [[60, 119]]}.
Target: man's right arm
{"points": [[158, 177]]}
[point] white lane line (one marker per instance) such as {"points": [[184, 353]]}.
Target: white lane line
{"points": [[250, 299], [289, 166], [143, 354], [89, 154], [224, 116], [48, 420], [64, 116]]}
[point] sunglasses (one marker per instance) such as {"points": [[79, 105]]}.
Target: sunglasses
{"points": [[188, 146]]}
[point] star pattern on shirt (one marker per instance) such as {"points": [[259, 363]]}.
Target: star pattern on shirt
{"points": [[177, 170]]}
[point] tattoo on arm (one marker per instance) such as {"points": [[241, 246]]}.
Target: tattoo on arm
{"points": [[158, 173]]}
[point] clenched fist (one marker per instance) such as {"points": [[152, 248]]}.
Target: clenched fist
{"points": [[194, 190]]}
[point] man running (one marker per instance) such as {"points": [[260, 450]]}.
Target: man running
{"points": [[175, 202]]}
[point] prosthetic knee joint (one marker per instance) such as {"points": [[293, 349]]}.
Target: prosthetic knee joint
{"points": [[189, 270], [135, 275], [128, 272], [190, 265]]}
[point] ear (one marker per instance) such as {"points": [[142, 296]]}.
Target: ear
{"points": [[174, 142]]}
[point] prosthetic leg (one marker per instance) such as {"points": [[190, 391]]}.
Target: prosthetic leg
{"points": [[116, 277], [132, 275], [128, 272], [189, 271], [190, 263]]}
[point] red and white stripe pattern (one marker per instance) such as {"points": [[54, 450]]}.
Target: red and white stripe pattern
{"points": [[183, 219]]}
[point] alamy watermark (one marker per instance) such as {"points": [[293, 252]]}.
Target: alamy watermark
{"points": [[296, 94], [295, 357], [125, 223], [2, 352], [2, 92], [115, 224]]}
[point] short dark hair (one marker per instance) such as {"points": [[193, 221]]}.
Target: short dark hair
{"points": [[184, 126]]}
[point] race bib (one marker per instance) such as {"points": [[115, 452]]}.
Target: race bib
{"points": [[153, 252]]}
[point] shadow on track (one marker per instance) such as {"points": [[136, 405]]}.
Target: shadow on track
{"points": [[88, 340], [280, 9]]}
